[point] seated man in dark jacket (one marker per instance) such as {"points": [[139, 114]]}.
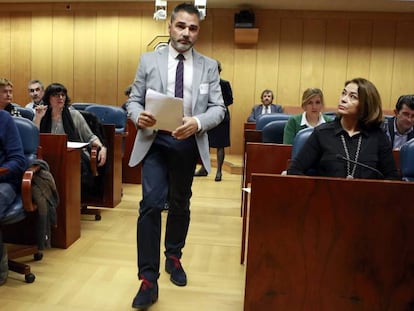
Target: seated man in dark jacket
{"points": [[399, 129], [265, 107]]}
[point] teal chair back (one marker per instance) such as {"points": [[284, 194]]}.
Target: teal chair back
{"points": [[264, 119], [110, 115]]}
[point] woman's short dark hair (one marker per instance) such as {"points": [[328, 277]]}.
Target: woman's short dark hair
{"points": [[54, 89]]}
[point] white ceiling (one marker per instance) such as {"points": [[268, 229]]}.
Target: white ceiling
{"points": [[329, 5]]}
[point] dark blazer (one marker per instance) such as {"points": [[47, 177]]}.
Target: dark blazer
{"points": [[227, 92], [388, 127], [257, 111]]}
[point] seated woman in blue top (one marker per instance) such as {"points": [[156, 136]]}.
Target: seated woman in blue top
{"points": [[312, 104], [355, 134]]}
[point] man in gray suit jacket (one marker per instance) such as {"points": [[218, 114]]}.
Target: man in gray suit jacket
{"points": [[169, 158]]}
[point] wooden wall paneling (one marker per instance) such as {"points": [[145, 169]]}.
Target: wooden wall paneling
{"points": [[84, 63], [244, 80], [382, 60], [20, 55], [267, 68], [5, 51], [129, 49], [55, 49], [290, 61], [62, 49], [359, 53], [106, 57], [403, 73], [222, 41], [205, 44], [150, 29], [41, 48], [335, 61], [313, 56]]}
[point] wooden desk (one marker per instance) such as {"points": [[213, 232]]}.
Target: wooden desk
{"points": [[396, 154], [64, 165], [249, 135], [261, 158], [112, 186], [327, 244]]}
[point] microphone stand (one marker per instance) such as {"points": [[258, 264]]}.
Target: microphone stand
{"points": [[341, 157]]}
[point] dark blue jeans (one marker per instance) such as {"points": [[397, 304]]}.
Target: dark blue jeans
{"points": [[167, 176]]}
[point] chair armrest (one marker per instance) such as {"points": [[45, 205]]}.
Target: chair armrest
{"points": [[94, 161], [26, 190], [3, 170]]}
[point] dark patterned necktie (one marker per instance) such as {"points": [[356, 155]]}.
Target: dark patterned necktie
{"points": [[179, 75]]}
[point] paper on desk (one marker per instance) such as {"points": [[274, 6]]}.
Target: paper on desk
{"points": [[167, 110], [76, 145]]}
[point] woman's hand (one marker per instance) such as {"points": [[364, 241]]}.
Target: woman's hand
{"points": [[40, 111]]}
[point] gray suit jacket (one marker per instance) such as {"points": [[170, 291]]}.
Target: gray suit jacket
{"points": [[207, 105]]}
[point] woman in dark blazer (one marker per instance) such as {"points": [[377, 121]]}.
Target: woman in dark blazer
{"points": [[219, 137]]}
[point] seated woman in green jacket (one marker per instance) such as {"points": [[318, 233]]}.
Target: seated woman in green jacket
{"points": [[312, 104]]}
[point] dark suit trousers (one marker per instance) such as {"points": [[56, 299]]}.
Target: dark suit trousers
{"points": [[167, 175]]}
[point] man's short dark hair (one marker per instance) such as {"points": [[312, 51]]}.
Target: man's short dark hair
{"points": [[187, 7], [405, 100]]}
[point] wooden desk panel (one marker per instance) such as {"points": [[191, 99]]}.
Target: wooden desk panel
{"points": [[261, 158], [112, 191], [64, 165], [329, 244], [249, 135]]}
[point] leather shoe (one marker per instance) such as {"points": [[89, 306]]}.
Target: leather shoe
{"points": [[173, 267], [218, 176], [4, 266], [147, 295], [201, 172]]}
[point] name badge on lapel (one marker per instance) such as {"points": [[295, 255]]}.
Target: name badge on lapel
{"points": [[204, 88]]}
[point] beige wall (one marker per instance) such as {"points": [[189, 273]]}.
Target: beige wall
{"points": [[93, 48]]}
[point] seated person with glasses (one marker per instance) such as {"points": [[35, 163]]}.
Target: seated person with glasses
{"points": [[54, 116], [399, 129]]}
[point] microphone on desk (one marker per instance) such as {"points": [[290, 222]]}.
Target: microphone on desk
{"points": [[341, 157]]}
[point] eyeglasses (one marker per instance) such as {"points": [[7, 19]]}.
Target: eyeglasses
{"points": [[34, 90], [63, 95]]}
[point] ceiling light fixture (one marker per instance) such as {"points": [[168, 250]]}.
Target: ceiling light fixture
{"points": [[201, 6], [160, 10]]}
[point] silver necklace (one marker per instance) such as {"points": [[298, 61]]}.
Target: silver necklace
{"points": [[350, 175], [56, 126]]}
